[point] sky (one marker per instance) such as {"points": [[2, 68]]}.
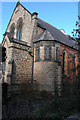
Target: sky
{"points": [[62, 15]]}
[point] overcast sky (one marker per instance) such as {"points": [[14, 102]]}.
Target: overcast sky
{"points": [[62, 15]]}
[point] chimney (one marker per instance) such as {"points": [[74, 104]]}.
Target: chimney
{"points": [[34, 25], [34, 15], [63, 31]]}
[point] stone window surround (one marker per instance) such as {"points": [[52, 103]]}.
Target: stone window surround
{"points": [[36, 55], [57, 59], [66, 55], [45, 54], [20, 26]]}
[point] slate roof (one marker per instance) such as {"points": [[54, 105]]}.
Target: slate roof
{"points": [[45, 35], [55, 33]]}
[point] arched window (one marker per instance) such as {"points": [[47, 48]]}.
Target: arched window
{"points": [[74, 61], [47, 53], [75, 64], [64, 63], [19, 29], [12, 30], [37, 54]]}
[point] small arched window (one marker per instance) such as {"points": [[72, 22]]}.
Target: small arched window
{"points": [[64, 63], [12, 30], [74, 61], [19, 29], [47, 53], [75, 64], [38, 54]]}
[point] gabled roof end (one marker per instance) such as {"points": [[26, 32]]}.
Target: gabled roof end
{"points": [[18, 3]]}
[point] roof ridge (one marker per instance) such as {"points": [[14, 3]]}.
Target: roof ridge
{"points": [[44, 36], [25, 8], [56, 33], [53, 27]]}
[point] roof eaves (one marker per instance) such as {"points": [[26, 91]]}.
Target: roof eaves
{"points": [[39, 36], [42, 40], [19, 42], [58, 42], [67, 45], [41, 26]]}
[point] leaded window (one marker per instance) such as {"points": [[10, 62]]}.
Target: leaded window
{"points": [[57, 54], [75, 65], [12, 30], [37, 54], [74, 61], [64, 63], [19, 29], [48, 53]]}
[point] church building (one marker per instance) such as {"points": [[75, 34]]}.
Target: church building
{"points": [[37, 51]]}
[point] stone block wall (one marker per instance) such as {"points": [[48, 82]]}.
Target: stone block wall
{"points": [[22, 65], [27, 25], [26, 16], [47, 72], [39, 30], [54, 54], [18, 64], [6, 69]]}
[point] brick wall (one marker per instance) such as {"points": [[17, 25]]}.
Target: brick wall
{"points": [[70, 60]]}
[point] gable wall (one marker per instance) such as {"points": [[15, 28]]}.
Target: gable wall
{"points": [[21, 12], [21, 70], [39, 30]]}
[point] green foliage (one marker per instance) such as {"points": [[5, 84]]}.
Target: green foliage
{"points": [[56, 109], [43, 105], [54, 116]]}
